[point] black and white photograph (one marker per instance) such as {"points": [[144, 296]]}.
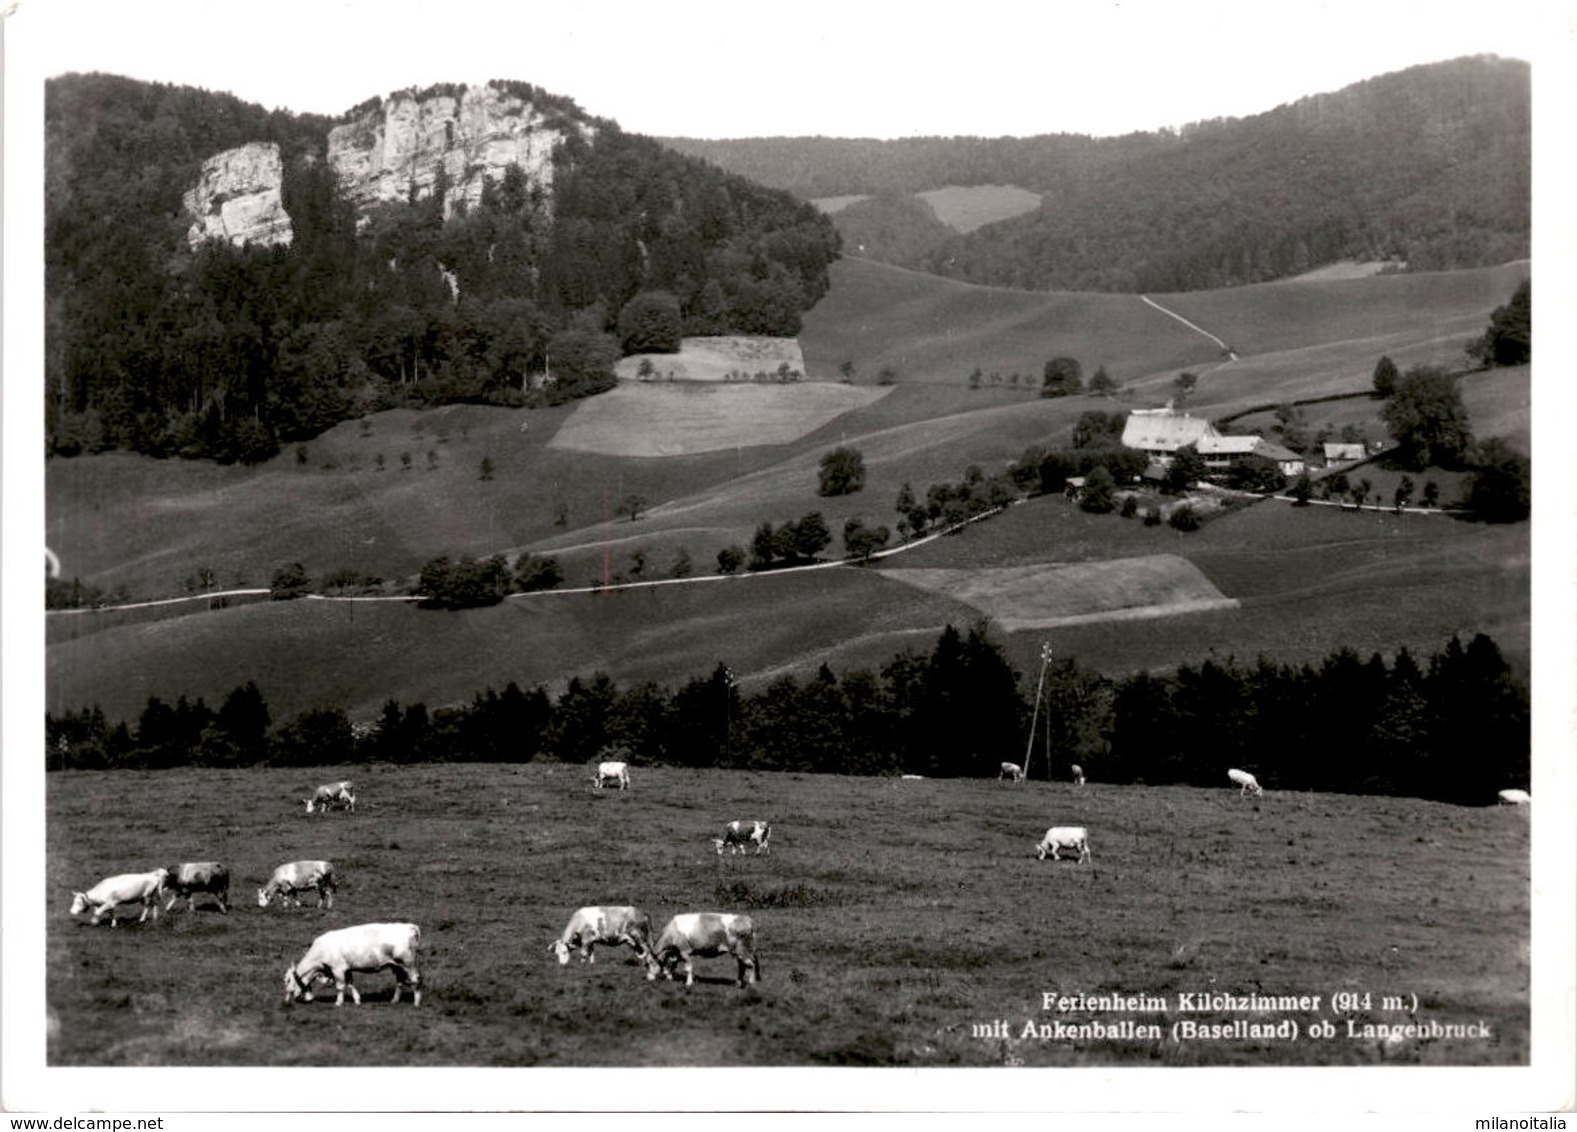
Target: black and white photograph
{"points": [[783, 555]]}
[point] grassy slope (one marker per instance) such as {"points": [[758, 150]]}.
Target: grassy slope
{"points": [[1345, 893], [148, 524], [1310, 581], [965, 208]]}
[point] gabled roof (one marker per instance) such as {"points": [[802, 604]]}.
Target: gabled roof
{"points": [[1276, 452], [1164, 430], [1345, 451], [1228, 445]]}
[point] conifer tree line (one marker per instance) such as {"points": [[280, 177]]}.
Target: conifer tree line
{"points": [[226, 352], [1453, 726]]}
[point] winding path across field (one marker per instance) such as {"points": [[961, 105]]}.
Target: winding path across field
{"points": [[1231, 354]]}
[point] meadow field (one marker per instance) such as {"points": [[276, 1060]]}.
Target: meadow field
{"points": [[1044, 597], [899, 923], [684, 418], [384, 494], [722, 358], [961, 207], [1305, 582]]}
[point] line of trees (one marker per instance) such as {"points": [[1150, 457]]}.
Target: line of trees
{"points": [[1453, 726]]}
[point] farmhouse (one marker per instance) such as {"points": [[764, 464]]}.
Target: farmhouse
{"points": [[1342, 453], [1160, 433], [1287, 462]]}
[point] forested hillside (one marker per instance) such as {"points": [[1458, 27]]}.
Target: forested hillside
{"points": [[1428, 168], [226, 352]]}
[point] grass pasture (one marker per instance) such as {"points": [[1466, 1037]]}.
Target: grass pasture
{"points": [[961, 207], [718, 358], [683, 419], [1053, 595], [386, 494], [1295, 313], [1346, 269], [965, 208], [892, 917], [1307, 581]]}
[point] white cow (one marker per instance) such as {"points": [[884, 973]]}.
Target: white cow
{"points": [[1077, 772], [331, 794], [128, 888], [610, 773], [606, 925], [297, 877], [202, 876], [740, 835], [1073, 838], [709, 935], [366, 947], [913, 777], [1247, 781], [1012, 771], [1515, 798]]}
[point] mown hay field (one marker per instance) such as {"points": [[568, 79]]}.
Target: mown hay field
{"points": [[684, 418], [1308, 582], [897, 921], [720, 358], [1044, 596]]}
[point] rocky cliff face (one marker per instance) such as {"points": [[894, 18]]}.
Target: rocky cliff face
{"points": [[237, 198], [378, 154], [472, 135]]}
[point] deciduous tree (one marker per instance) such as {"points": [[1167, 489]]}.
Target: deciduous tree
{"points": [[1385, 376], [1499, 488], [842, 472], [1063, 377], [1509, 339], [651, 323], [1428, 420]]}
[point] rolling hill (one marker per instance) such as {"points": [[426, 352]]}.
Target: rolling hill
{"points": [[1305, 583], [1429, 167]]}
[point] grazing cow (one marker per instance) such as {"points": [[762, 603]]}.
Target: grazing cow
{"points": [[913, 777], [1515, 798], [1247, 781], [204, 876], [128, 888], [297, 877], [366, 947], [709, 935], [740, 835], [606, 925], [608, 773], [1078, 774], [1012, 771], [331, 794], [1073, 838]]}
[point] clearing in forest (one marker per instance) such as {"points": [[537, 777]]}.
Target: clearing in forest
{"points": [[734, 357]]}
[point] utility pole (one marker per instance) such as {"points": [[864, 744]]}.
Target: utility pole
{"points": [[1040, 684], [728, 707]]}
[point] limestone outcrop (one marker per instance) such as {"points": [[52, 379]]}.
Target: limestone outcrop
{"points": [[238, 198], [475, 133]]}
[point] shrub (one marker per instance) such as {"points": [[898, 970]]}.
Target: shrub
{"points": [[289, 582], [533, 573]]}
